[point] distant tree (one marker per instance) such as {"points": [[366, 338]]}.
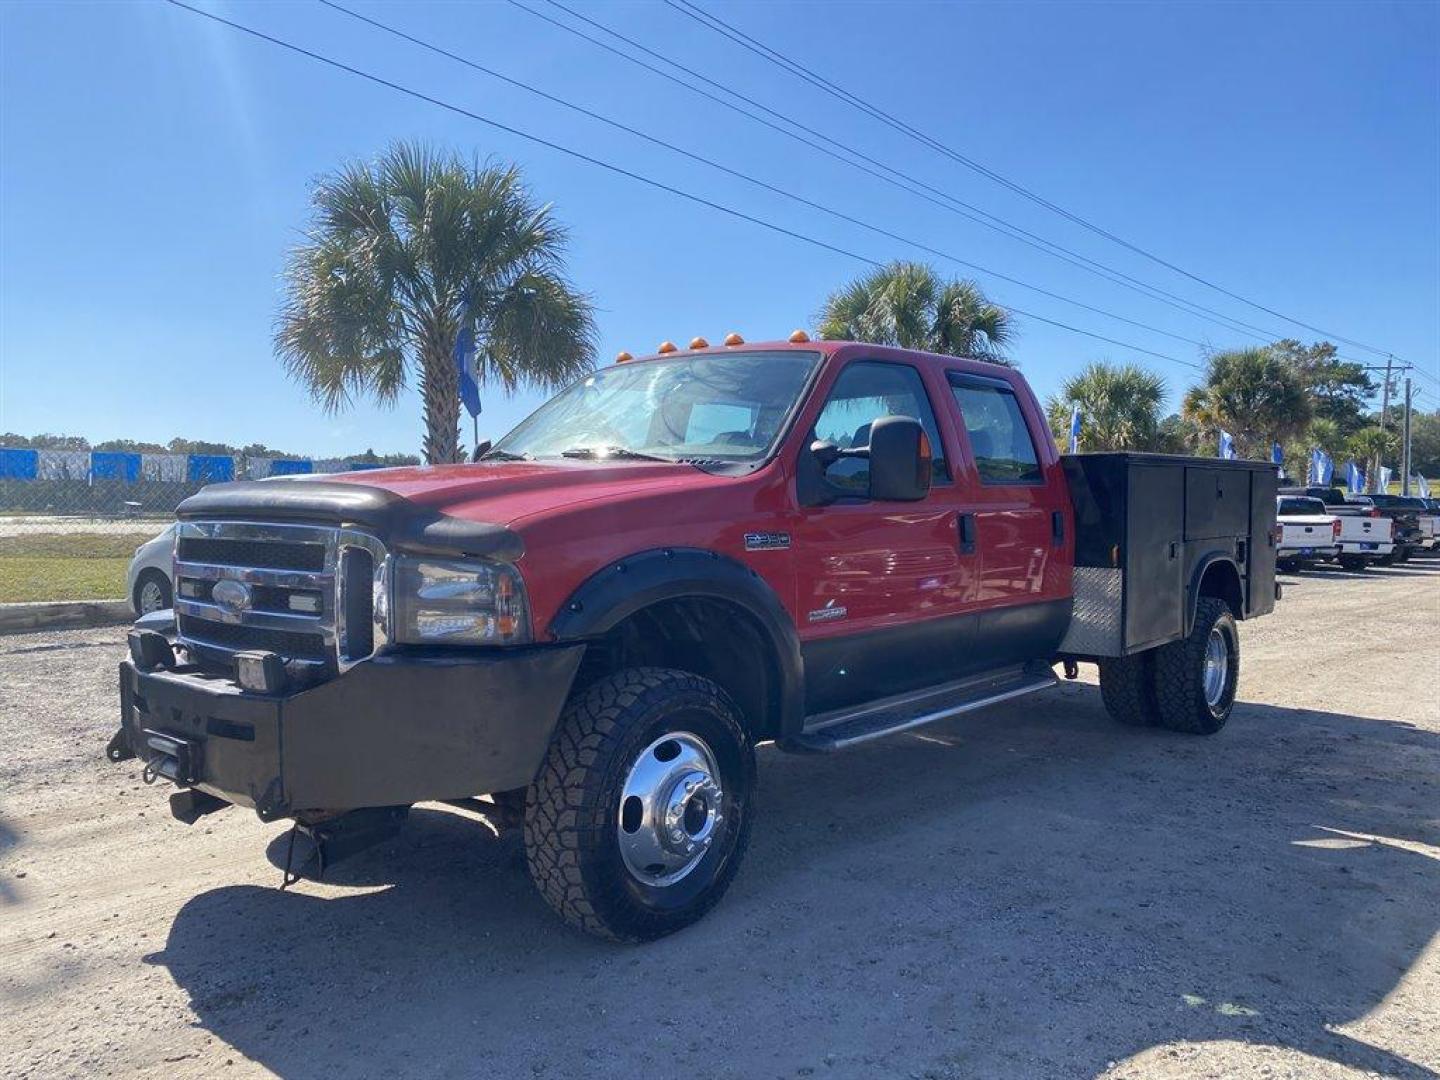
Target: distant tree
{"points": [[369, 457], [1340, 390], [405, 255], [910, 305], [129, 446], [12, 441], [1372, 445], [1253, 394], [1425, 444], [1119, 406], [200, 446], [1177, 435]]}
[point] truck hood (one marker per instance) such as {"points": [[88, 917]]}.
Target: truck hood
{"points": [[444, 509], [502, 493]]}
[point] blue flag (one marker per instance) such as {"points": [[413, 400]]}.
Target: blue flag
{"points": [[1227, 445], [1075, 424], [1423, 486], [465, 355], [1354, 478], [1277, 453]]}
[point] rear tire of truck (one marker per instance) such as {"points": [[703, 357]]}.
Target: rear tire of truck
{"points": [[1195, 677], [641, 814], [1128, 690]]}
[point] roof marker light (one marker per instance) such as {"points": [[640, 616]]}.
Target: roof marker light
{"points": [[699, 343], [623, 357], [733, 338], [799, 337], [666, 347]]}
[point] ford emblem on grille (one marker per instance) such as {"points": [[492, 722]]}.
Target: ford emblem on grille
{"points": [[232, 596]]}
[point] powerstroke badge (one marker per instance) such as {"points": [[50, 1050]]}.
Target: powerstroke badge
{"points": [[767, 541], [829, 613]]}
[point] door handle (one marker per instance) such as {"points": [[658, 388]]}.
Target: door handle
{"points": [[966, 524], [1057, 528]]}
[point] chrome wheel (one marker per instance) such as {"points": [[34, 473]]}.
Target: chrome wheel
{"points": [[152, 597], [1217, 667], [670, 809]]}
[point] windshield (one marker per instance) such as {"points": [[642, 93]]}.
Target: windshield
{"points": [[1398, 502], [718, 407], [1295, 507]]}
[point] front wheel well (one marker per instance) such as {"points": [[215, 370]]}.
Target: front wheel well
{"points": [[706, 636]]}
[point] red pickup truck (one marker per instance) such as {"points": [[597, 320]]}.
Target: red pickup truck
{"points": [[681, 556]]}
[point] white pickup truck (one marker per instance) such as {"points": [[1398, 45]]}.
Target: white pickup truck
{"points": [[1307, 532], [1365, 536]]}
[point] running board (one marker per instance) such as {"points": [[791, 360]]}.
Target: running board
{"points": [[845, 727]]}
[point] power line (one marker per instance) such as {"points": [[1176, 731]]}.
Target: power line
{"points": [[887, 173], [794, 67], [729, 171], [618, 170]]}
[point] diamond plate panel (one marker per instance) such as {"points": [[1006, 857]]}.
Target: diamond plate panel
{"points": [[1096, 623]]}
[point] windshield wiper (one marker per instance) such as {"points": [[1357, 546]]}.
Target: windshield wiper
{"points": [[610, 451], [503, 455]]}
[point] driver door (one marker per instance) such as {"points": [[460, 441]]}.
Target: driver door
{"points": [[881, 587]]}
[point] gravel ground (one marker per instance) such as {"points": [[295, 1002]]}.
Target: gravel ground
{"points": [[1024, 892]]}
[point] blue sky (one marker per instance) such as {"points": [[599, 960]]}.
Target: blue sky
{"points": [[154, 168]]}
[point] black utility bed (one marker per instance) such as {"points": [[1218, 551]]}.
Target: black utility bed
{"points": [[1147, 527]]}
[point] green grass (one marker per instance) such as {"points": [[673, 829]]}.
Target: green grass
{"points": [[66, 566]]}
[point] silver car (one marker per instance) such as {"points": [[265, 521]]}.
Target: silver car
{"points": [[148, 582]]}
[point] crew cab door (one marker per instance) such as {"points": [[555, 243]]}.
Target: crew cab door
{"points": [[1021, 521], [880, 587]]}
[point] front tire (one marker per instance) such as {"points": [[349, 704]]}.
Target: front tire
{"points": [[641, 814], [1195, 677], [152, 592]]}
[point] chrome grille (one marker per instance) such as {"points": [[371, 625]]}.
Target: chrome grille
{"points": [[306, 592]]}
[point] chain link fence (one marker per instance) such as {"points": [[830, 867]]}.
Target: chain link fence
{"points": [[70, 520]]}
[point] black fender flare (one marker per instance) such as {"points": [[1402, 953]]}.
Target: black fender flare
{"points": [[613, 594], [1203, 567]]}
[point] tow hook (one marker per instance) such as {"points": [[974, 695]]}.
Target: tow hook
{"points": [[1072, 669], [119, 748]]}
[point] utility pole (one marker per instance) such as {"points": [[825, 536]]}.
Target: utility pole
{"points": [[1384, 410], [1405, 444]]}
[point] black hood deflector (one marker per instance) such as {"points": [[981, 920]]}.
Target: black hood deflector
{"points": [[401, 524]]}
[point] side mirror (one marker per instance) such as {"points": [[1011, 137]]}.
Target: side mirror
{"points": [[826, 452], [900, 454]]}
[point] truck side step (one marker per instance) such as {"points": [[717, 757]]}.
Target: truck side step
{"points": [[856, 724]]}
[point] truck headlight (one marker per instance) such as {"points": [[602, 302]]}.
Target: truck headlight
{"points": [[454, 602]]}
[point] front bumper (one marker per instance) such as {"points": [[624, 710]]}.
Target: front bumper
{"points": [[394, 730]]}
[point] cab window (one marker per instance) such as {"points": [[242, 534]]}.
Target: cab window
{"points": [[864, 392], [1000, 439]]}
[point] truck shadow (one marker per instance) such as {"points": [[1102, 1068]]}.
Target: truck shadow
{"points": [[1028, 891]]}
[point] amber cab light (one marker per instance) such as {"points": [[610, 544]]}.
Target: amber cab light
{"points": [[733, 338], [666, 347], [623, 357], [799, 337], [699, 343]]}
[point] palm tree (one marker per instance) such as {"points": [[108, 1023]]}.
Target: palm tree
{"points": [[1372, 445], [909, 305], [404, 255], [1253, 394], [1119, 406]]}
